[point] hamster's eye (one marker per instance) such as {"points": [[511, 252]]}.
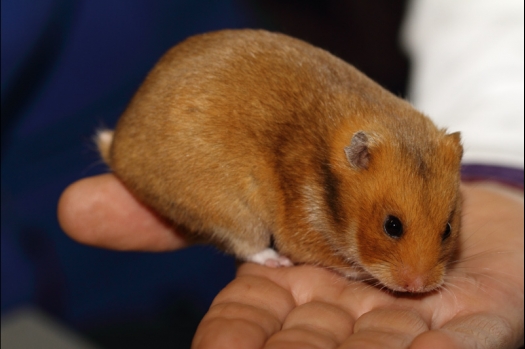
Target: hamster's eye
{"points": [[393, 227], [446, 233]]}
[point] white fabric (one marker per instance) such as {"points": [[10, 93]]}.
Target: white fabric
{"points": [[468, 68]]}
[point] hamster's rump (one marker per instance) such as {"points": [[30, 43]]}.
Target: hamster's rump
{"points": [[242, 136]]}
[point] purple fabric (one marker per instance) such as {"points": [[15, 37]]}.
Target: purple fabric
{"points": [[506, 175]]}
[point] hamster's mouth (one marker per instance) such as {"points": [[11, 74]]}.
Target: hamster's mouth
{"points": [[415, 284], [399, 281], [411, 290], [407, 285]]}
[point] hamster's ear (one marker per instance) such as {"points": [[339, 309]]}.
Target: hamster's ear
{"points": [[358, 152], [455, 139]]}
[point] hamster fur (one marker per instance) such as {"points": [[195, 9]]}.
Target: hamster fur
{"points": [[246, 137]]}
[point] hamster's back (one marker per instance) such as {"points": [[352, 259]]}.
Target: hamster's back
{"points": [[224, 110]]}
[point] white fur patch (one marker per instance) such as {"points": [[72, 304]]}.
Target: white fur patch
{"points": [[270, 258], [105, 137]]}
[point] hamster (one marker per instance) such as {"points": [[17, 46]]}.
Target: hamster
{"points": [[278, 152]]}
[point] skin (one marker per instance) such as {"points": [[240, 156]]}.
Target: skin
{"points": [[481, 305]]}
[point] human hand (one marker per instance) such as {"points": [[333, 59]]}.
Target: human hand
{"points": [[100, 211], [481, 305]]}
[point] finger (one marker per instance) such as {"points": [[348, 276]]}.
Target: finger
{"points": [[386, 328], [471, 331], [313, 325], [500, 210], [244, 315], [304, 282], [100, 211]]}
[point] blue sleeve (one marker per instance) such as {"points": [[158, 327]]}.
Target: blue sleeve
{"points": [[67, 68]]}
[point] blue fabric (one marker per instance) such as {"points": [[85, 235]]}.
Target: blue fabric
{"points": [[68, 67], [506, 175]]}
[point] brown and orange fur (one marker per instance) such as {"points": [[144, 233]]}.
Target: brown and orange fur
{"points": [[240, 136]]}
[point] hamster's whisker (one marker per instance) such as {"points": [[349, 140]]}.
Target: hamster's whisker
{"points": [[447, 287], [484, 254], [494, 278]]}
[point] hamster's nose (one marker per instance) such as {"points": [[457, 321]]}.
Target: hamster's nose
{"points": [[412, 281], [415, 284]]}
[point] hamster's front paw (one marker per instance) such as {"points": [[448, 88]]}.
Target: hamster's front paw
{"points": [[270, 258]]}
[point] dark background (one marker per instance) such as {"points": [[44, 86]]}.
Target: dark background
{"points": [[69, 67]]}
